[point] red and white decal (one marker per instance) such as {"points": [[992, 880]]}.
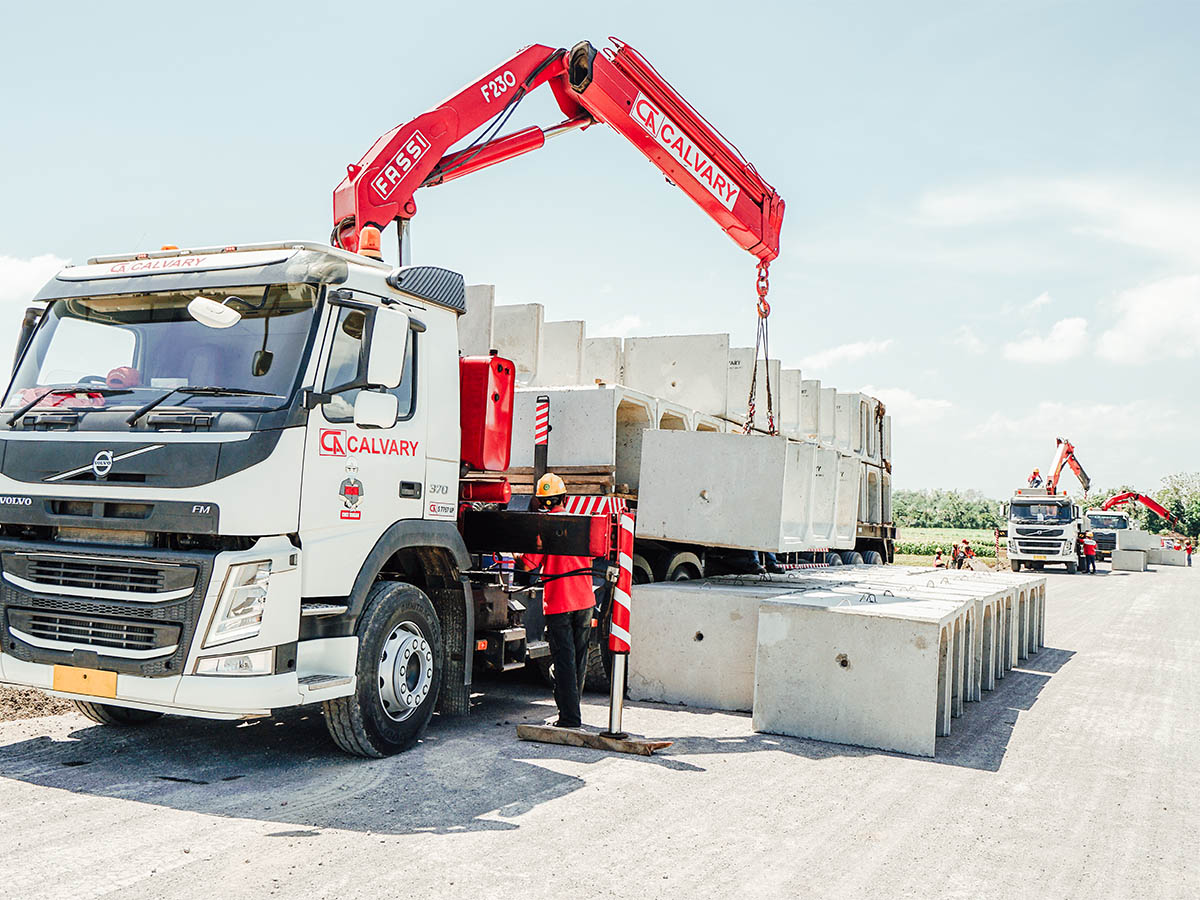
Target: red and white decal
{"points": [[393, 172], [541, 421], [687, 154], [595, 506], [498, 84], [443, 510], [335, 442]]}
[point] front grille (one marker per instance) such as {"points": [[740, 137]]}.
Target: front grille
{"points": [[102, 633], [85, 573], [1041, 546], [1106, 541]]}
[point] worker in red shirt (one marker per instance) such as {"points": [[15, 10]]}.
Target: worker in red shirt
{"points": [[1089, 553], [568, 602], [1188, 550]]}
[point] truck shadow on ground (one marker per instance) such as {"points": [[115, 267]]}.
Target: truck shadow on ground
{"points": [[466, 775]]}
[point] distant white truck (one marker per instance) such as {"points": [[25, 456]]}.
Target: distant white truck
{"points": [[1043, 529], [1104, 525]]}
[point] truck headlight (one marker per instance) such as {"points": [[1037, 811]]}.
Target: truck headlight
{"points": [[240, 609]]}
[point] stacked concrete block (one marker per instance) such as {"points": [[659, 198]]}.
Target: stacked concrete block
{"points": [[601, 362], [690, 370], [810, 410], [791, 401], [561, 362], [517, 335], [1163, 556], [475, 326], [828, 436], [737, 385], [1136, 539], [1129, 560]]}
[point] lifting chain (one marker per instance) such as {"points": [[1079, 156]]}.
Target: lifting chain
{"points": [[761, 342]]}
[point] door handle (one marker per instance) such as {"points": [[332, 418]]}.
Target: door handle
{"points": [[410, 490]]}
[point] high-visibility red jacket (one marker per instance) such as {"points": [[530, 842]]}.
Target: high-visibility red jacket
{"points": [[1089, 547]]}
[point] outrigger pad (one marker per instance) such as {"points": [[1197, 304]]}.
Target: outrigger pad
{"points": [[575, 737]]}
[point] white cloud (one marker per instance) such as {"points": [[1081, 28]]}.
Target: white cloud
{"points": [[1036, 303], [1066, 339], [1164, 221], [20, 279], [1156, 321], [622, 327], [906, 407], [966, 338], [843, 353]]}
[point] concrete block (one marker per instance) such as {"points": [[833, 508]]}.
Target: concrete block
{"points": [[872, 447], [734, 490], [561, 362], [1162, 556], [674, 417], [886, 447], [791, 399], [694, 642], [828, 417], [876, 671], [1129, 560], [846, 527], [810, 410], [741, 367], [475, 326], [596, 427], [701, 422], [601, 361], [851, 410], [1136, 539], [686, 369], [517, 335]]}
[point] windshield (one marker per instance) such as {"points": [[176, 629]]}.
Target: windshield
{"points": [[135, 347], [1040, 512], [1114, 522]]}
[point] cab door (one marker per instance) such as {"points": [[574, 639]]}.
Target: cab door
{"points": [[360, 479]]}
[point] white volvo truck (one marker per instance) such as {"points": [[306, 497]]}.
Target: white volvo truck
{"points": [[1043, 529]]}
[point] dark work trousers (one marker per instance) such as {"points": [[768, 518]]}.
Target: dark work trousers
{"points": [[1091, 564], [568, 634]]}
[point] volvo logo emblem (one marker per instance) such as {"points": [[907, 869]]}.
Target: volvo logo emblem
{"points": [[103, 463]]}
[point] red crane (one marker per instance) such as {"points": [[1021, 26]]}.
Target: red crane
{"points": [[616, 86], [1066, 457], [1149, 502]]}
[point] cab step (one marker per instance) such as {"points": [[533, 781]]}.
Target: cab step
{"points": [[321, 682], [322, 609]]}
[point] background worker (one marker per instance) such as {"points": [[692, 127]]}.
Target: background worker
{"points": [[1188, 549], [1035, 480], [1089, 553], [568, 602], [938, 562]]}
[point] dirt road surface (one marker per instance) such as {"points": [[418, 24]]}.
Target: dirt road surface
{"points": [[1076, 778]]}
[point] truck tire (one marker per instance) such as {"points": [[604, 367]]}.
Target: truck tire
{"points": [[399, 674], [873, 558], [643, 573], [1072, 568], [683, 567], [1016, 565], [833, 558], [116, 715], [852, 558]]}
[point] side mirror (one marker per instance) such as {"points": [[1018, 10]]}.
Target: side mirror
{"points": [[33, 315], [388, 346], [373, 409]]}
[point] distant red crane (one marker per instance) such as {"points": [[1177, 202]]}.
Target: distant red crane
{"points": [[1149, 502]]}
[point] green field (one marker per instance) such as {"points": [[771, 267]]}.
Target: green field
{"points": [[926, 541]]}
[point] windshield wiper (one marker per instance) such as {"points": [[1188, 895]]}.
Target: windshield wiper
{"points": [[202, 390], [102, 390]]}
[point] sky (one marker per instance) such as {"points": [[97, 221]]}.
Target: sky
{"points": [[993, 210]]}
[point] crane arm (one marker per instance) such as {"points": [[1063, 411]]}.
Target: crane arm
{"points": [[1149, 502], [616, 86], [1066, 457]]}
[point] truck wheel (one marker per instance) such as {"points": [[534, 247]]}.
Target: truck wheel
{"points": [[1016, 565], [116, 715], [1072, 568], [684, 567], [873, 558], [399, 674], [642, 572], [852, 558], [833, 558]]}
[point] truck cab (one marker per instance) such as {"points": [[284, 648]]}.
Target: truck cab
{"points": [[1104, 525], [229, 484], [1043, 529]]}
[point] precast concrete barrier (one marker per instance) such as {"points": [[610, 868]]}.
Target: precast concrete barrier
{"points": [[1129, 560]]}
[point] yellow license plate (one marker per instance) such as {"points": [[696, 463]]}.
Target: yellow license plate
{"points": [[1039, 557], [91, 682]]}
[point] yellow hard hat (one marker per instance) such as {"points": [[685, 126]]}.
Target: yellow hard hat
{"points": [[1035, 471], [550, 485]]}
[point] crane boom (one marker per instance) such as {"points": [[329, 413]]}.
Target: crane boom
{"points": [[617, 87], [1066, 457], [1149, 502]]}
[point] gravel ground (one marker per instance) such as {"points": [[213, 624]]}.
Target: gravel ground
{"points": [[1076, 778], [20, 703]]}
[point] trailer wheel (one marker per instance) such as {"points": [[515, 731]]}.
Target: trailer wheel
{"points": [[116, 715], [852, 558], [642, 571], [873, 558], [684, 567], [399, 674], [833, 558]]}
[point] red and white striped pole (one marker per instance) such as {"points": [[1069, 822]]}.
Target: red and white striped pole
{"points": [[541, 438], [618, 630]]}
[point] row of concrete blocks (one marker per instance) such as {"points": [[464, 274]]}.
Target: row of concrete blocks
{"points": [[870, 656], [699, 372]]}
